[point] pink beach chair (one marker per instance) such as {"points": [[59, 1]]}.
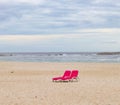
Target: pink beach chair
{"points": [[66, 74], [73, 76]]}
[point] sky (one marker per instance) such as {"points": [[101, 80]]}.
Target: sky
{"points": [[59, 25]]}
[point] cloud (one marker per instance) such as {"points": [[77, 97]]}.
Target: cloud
{"points": [[81, 33], [28, 38], [87, 39], [56, 17], [33, 2], [101, 30]]}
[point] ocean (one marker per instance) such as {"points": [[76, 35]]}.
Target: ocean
{"points": [[62, 57]]}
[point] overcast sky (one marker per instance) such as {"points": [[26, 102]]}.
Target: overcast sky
{"points": [[59, 25]]}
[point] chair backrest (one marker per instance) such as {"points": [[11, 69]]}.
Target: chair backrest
{"points": [[67, 73], [74, 74]]}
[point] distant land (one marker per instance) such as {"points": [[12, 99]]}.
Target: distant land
{"points": [[108, 53]]}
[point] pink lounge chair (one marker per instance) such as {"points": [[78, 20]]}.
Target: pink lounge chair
{"points": [[67, 74], [74, 75]]}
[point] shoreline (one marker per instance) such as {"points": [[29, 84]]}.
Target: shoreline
{"points": [[57, 62]]}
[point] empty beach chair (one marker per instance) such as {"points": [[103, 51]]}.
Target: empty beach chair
{"points": [[74, 75], [66, 74]]}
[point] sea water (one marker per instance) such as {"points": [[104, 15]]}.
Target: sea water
{"points": [[61, 57]]}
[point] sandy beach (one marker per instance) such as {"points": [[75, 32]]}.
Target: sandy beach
{"points": [[28, 83]]}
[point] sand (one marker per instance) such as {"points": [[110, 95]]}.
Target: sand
{"points": [[31, 84]]}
